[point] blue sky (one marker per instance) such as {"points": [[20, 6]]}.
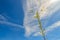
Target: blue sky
{"points": [[12, 18]]}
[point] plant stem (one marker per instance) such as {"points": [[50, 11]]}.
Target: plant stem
{"points": [[40, 26]]}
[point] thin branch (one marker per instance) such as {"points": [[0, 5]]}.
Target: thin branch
{"points": [[40, 26]]}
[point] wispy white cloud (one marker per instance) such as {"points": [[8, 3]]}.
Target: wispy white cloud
{"points": [[49, 28], [11, 24], [51, 9], [53, 26], [30, 30], [4, 21], [30, 7], [3, 18]]}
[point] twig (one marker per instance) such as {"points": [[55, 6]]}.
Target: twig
{"points": [[40, 26]]}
